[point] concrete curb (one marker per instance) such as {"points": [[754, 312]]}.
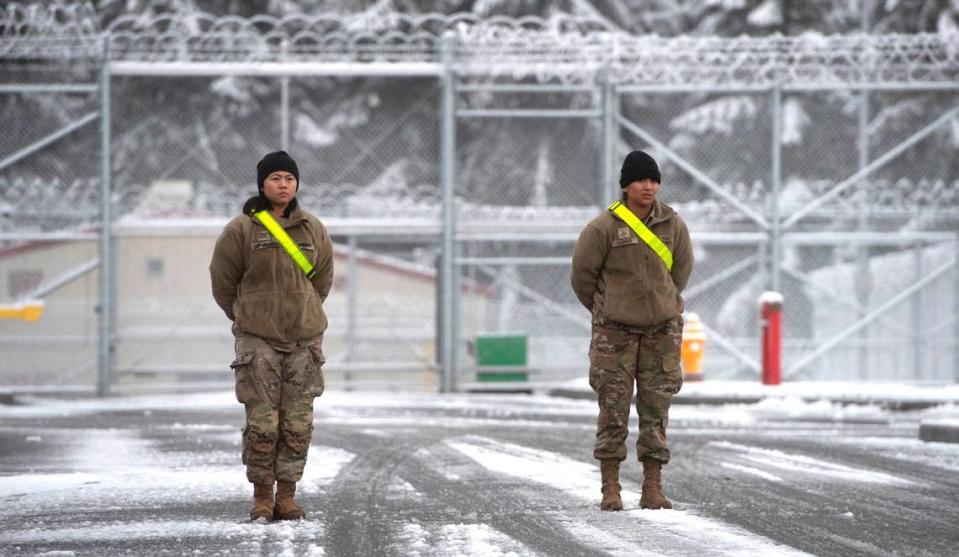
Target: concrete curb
{"points": [[939, 432]]}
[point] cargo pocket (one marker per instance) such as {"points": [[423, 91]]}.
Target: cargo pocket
{"points": [[608, 356], [672, 373], [245, 389], [600, 364], [611, 383], [316, 384]]}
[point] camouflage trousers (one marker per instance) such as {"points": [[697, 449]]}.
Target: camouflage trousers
{"points": [[277, 383], [621, 357]]}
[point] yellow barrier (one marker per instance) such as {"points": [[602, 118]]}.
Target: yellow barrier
{"points": [[28, 311], [694, 340]]}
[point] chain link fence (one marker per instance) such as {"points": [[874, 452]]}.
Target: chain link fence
{"points": [[866, 259], [529, 161], [366, 152], [366, 149], [179, 170], [49, 192], [869, 278]]}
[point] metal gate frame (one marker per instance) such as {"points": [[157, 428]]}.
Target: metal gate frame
{"points": [[774, 227], [105, 259], [488, 265]]}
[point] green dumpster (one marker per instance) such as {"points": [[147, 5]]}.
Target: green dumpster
{"points": [[501, 357]]}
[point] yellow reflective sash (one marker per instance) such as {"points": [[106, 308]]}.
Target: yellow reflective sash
{"points": [[274, 227], [653, 241]]}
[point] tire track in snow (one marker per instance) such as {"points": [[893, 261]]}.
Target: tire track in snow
{"points": [[899, 499], [821, 513], [662, 532], [362, 521]]}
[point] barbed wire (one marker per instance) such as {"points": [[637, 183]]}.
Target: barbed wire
{"points": [[561, 47], [57, 19]]}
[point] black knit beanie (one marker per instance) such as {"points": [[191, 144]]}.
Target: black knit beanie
{"points": [[271, 162], [638, 166]]}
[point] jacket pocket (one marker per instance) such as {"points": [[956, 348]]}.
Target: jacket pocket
{"points": [[245, 387], [317, 384]]}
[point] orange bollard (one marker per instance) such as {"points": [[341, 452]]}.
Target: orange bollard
{"points": [[691, 352]]}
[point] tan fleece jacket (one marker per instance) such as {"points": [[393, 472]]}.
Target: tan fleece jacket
{"points": [[620, 278], [261, 289]]}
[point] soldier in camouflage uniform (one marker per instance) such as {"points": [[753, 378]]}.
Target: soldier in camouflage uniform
{"points": [[637, 326], [278, 322]]}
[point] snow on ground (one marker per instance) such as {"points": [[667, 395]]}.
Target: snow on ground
{"points": [[794, 407], [578, 478], [948, 411], [404, 491], [787, 409], [937, 455], [476, 539], [322, 465], [34, 484], [333, 403], [660, 532], [458, 539], [102, 463], [415, 538], [807, 465], [242, 538], [102, 467], [750, 470], [111, 467], [42, 407], [846, 391], [246, 534], [950, 422], [817, 401], [467, 423]]}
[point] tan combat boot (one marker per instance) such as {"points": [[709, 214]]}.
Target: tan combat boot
{"points": [[611, 499], [262, 502], [652, 497], [286, 509]]}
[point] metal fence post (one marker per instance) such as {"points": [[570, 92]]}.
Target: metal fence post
{"points": [[863, 279], [917, 315], [285, 107], [285, 113], [447, 172], [107, 265], [762, 261], [775, 229], [608, 145], [351, 312]]}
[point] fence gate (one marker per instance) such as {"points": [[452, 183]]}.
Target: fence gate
{"points": [[50, 206]]}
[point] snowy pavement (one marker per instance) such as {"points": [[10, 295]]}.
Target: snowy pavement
{"points": [[892, 396], [417, 474], [827, 398]]}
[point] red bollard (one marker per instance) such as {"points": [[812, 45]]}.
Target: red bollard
{"points": [[771, 311]]}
